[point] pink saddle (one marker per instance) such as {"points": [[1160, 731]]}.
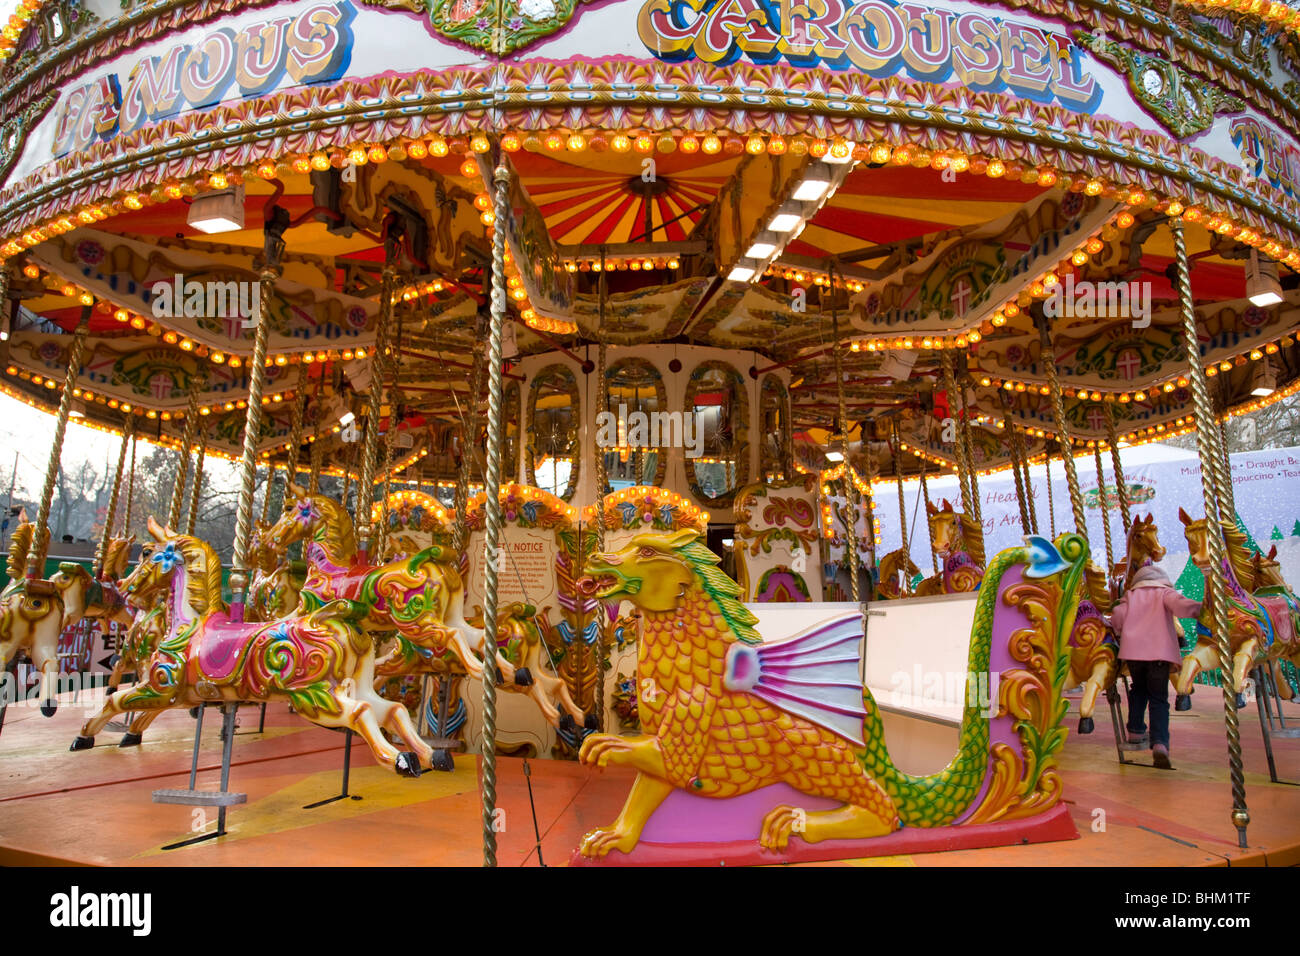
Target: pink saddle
{"points": [[220, 645], [1279, 612]]}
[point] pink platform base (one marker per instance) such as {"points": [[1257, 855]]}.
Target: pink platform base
{"points": [[1049, 827]]}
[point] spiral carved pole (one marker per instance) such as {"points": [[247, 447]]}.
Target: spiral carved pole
{"points": [[1103, 506], [1121, 486], [295, 426], [366, 484], [902, 502], [1029, 491], [602, 479], [1204, 416], [492, 487], [1048, 358], [197, 490], [130, 483], [850, 486], [954, 409], [1017, 458], [41, 538], [101, 550], [1051, 505], [252, 430], [469, 433], [929, 529], [183, 454]]}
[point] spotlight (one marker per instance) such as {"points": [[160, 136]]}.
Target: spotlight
{"points": [[1264, 379], [219, 211], [1262, 285]]}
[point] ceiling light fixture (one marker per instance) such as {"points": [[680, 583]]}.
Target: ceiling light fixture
{"points": [[1262, 286], [218, 211]]}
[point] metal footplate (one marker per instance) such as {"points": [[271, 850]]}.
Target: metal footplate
{"points": [[200, 798]]}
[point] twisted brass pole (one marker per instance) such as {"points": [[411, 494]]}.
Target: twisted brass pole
{"points": [[1029, 490], [492, 538], [317, 457], [183, 453], [130, 482], [1104, 508], [1121, 486], [1051, 505], [197, 490], [954, 410], [850, 486], [268, 490], [295, 428], [1017, 451], [602, 480], [1204, 417], [469, 437], [1226, 492], [929, 530], [41, 534], [252, 433], [1048, 358], [101, 550], [902, 504], [366, 484]]}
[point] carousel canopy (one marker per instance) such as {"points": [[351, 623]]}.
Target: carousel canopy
{"points": [[780, 186]]}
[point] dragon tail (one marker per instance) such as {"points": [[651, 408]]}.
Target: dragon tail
{"points": [[940, 798]]}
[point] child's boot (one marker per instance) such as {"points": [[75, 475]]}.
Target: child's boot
{"points": [[1160, 757]]}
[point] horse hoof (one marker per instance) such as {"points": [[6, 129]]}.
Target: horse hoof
{"points": [[499, 676], [1085, 725], [441, 760], [568, 725], [1183, 702], [110, 691], [1241, 702], [523, 677], [82, 743], [194, 712], [130, 740], [408, 764], [590, 722], [49, 708]]}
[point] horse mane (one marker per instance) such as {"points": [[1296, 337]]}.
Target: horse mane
{"points": [[203, 582], [971, 537], [337, 532], [1238, 554], [19, 547]]}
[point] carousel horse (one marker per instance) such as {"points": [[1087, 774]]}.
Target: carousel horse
{"points": [[896, 571], [728, 714], [422, 597], [1262, 628], [319, 663], [520, 639], [1093, 645], [1267, 581], [31, 620], [959, 546], [276, 582]]}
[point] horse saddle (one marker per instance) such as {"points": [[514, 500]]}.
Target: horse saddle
{"points": [[1279, 611], [220, 644]]}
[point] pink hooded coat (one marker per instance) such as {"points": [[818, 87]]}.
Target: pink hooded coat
{"points": [[1144, 618]]}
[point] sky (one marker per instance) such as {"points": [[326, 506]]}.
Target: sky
{"points": [[28, 432]]}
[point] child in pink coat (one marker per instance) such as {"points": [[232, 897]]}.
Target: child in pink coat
{"points": [[1144, 618]]}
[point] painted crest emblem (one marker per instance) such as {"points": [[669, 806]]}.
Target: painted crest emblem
{"points": [[499, 26]]}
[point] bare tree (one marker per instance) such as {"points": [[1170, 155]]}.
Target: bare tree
{"points": [[1273, 426]]}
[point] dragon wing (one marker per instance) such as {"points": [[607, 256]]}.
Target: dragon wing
{"points": [[813, 675]]}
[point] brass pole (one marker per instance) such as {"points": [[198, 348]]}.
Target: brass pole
{"points": [[1226, 492], [1029, 491], [602, 480], [239, 569], [1204, 417], [41, 535], [183, 453], [954, 410], [1051, 506], [925, 493], [101, 550], [492, 538], [469, 437], [1121, 486], [1048, 359], [295, 425], [1104, 508], [1017, 451], [902, 503], [366, 485], [130, 481], [197, 490], [850, 486]]}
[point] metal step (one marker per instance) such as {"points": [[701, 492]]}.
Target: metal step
{"points": [[200, 798]]}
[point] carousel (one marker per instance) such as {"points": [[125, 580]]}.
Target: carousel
{"points": [[571, 357]]}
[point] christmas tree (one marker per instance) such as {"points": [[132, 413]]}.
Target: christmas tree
{"points": [[1295, 529], [1276, 535]]}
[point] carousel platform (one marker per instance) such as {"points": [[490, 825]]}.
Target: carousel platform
{"points": [[94, 807]]}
